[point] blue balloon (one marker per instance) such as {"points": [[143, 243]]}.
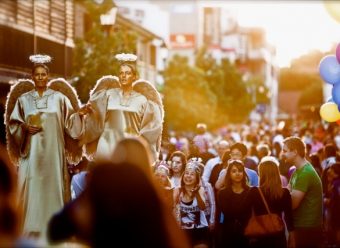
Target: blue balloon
{"points": [[336, 94], [329, 69]]}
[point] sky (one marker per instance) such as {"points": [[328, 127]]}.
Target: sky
{"points": [[293, 27]]}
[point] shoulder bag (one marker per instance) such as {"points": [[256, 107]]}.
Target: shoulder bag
{"points": [[261, 225]]}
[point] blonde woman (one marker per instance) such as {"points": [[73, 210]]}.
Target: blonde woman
{"points": [[278, 199]]}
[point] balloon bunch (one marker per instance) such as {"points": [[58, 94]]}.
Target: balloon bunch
{"points": [[329, 69]]}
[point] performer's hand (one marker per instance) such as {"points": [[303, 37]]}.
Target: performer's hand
{"points": [[85, 109], [33, 129]]}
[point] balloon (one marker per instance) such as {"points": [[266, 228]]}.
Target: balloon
{"points": [[329, 112], [337, 52], [333, 8], [336, 93], [329, 69]]}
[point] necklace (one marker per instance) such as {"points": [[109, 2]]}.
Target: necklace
{"points": [[41, 102]]}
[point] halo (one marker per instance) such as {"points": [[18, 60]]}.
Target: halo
{"points": [[123, 57], [40, 58]]}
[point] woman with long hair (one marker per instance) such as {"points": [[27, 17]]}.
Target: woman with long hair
{"points": [[177, 161], [189, 200], [122, 199], [278, 199], [232, 202]]}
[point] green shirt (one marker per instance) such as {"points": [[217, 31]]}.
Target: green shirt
{"points": [[309, 212]]}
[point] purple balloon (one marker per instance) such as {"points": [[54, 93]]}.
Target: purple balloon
{"points": [[329, 69], [337, 53]]}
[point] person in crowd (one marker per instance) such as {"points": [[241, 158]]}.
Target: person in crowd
{"points": [[105, 214], [190, 205], [213, 178], [306, 192], [202, 141], [232, 202], [177, 162], [278, 200], [121, 199], [10, 214], [315, 161], [122, 107], [329, 154], [332, 204], [133, 150], [162, 177], [238, 151], [222, 146], [42, 127], [263, 150], [79, 179], [210, 203]]}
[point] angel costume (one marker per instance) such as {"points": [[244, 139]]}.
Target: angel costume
{"points": [[44, 182], [115, 117]]}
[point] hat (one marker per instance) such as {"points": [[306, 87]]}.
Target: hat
{"points": [[195, 164]]}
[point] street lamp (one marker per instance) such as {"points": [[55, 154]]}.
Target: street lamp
{"points": [[108, 20]]}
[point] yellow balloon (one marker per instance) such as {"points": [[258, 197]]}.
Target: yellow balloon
{"points": [[329, 112], [333, 8]]}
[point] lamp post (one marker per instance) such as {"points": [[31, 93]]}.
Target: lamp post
{"points": [[108, 20]]}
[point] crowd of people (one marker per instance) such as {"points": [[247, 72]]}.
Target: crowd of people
{"points": [[294, 163], [131, 184]]}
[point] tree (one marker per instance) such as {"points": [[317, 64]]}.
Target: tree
{"points": [[207, 92], [226, 82], [94, 54], [187, 97]]}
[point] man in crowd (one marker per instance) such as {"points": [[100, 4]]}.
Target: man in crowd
{"points": [[306, 192]]}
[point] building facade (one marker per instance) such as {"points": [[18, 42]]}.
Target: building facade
{"points": [[49, 27]]}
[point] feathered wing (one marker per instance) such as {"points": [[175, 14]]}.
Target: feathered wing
{"points": [[21, 87], [150, 92], [72, 148], [61, 85], [105, 83]]}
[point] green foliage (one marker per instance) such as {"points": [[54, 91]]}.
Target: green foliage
{"points": [[188, 99], [94, 53], [207, 92]]}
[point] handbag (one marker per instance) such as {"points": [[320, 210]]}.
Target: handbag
{"points": [[261, 225]]}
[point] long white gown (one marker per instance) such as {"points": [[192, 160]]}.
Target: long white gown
{"points": [[116, 117], [43, 178]]}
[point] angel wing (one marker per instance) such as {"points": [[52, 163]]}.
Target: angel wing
{"points": [[21, 87], [61, 85], [105, 82], [149, 91], [72, 148]]}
